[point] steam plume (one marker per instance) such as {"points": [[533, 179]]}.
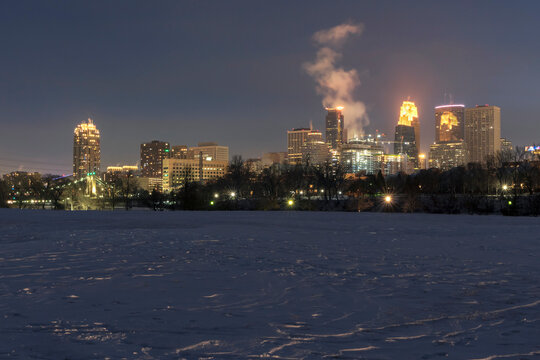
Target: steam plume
{"points": [[334, 83]]}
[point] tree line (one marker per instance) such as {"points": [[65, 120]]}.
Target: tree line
{"points": [[508, 183]]}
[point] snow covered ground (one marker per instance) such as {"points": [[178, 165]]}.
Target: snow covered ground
{"points": [[284, 285]]}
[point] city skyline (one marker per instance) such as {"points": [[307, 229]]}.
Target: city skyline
{"points": [[54, 91]]}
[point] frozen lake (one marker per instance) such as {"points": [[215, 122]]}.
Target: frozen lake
{"points": [[271, 285]]}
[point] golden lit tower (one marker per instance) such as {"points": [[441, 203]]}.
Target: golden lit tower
{"points": [[86, 150], [408, 115]]}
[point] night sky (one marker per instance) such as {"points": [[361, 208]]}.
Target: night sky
{"points": [[231, 71]]}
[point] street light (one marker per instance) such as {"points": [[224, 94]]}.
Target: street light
{"points": [[290, 202], [233, 194], [505, 187], [388, 199]]}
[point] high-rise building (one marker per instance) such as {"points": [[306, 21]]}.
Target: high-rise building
{"points": [[449, 149], [449, 120], [408, 116], [209, 151], [296, 138], [335, 123], [482, 132], [152, 155], [86, 149], [405, 143], [315, 151]]}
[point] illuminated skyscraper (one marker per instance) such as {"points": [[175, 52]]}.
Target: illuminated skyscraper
{"points": [[86, 149], [482, 132], [408, 116], [152, 155], [449, 121], [449, 149], [334, 127]]}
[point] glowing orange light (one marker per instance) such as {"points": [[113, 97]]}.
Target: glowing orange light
{"points": [[408, 113], [388, 199], [448, 120]]}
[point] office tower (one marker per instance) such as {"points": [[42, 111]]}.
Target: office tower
{"points": [[449, 121], [449, 149], [408, 116], [315, 151], [334, 127], [209, 151], [362, 156], [482, 132], [152, 155], [176, 172], [179, 151], [86, 149], [296, 138], [405, 143]]}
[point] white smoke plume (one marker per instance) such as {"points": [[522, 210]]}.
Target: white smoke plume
{"points": [[334, 83]]}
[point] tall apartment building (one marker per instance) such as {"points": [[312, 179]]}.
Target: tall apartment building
{"points": [[209, 150], [482, 132], [296, 138], [86, 149], [335, 124], [449, 149], [152, 155]]}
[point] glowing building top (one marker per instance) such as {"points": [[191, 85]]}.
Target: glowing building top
{"points": [[408, 113]]}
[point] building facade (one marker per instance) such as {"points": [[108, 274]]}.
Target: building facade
{"points": [[482, 132], [152, 155], [335, 124], [209, 151], [447, 155], [179, 151], [405, 143], [296, 138], [315, 151], [359, 156], [176, 172], [86, 149]]}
